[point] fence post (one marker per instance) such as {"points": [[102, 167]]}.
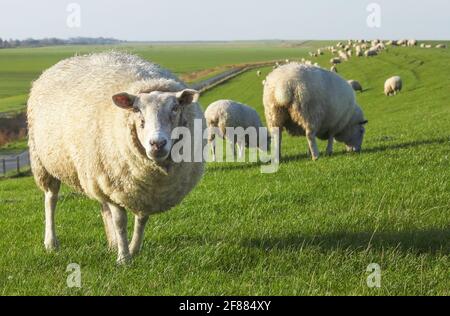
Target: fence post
{"points": [[4, 167], [18, 164]]}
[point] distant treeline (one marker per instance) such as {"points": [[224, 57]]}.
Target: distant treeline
{"points": [[31, 42]]}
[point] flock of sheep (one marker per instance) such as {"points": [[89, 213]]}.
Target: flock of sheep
{"points": [[103, 124]]}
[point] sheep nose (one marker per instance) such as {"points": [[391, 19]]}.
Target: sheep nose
{"points": [[158, 144]]}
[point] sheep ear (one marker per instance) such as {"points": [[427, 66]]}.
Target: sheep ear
{"points": [[124, 100], [187, 96], [364, 122]]}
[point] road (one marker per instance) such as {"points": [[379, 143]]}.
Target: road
{"points": [[10, 161]]}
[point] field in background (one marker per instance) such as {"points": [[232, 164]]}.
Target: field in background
{"points": [[18, 67], [311, 228]]}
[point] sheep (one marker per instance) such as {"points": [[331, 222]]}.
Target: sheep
{"points": [[355, 85], [334, 68], [335, 60], [312, 102], [343, 55], [393, 85], [441, 46], [370, 52], [258, 73], [227, 113], [422, 45], [102, 124], [411, 42]]}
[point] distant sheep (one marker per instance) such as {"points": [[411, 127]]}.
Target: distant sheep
{"points": [[412, 42], [313, 102], [334, 68], [393, 85], [335, 60], [227, 113], [102, 124], [370, 52], [355, 85], [441, 46], [258, 73]]}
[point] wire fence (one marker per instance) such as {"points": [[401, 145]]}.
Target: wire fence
{"points": [[14, 164]]}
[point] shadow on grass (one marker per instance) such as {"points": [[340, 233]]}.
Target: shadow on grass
{"points": [[304, 156], [420, 241]]}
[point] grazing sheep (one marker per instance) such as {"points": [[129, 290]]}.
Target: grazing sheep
{"points": [[227, 113], [412, 42], [355, 85], [422, 45], [402, 42], [335, 60], [370, 52], [258, 73], [334, 68], [441, 46], [263, 82], [313, 102], [343, 55], [393, 85], [428, 46], [102, 124]]}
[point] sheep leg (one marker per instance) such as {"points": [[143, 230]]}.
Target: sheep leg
{"points": [[312, 143], [51, 198], [138, 234], [119, 219], [109, 227], [330, 145]]}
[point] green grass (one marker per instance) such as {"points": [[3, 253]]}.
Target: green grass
{"points": [[311, 228], [19, 67], [14, 147]]}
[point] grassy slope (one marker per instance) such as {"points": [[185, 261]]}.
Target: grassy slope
{"points": [[311, 228], [18, 67]]}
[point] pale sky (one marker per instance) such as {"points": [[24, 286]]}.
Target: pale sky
{"points": [[189, 20]]}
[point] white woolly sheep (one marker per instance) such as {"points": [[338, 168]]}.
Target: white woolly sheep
{"points": [[355, 85], [441, 46], [412, 42], [393, 85], [102, 124], [258, 73], [227, 113], [313, 102]]}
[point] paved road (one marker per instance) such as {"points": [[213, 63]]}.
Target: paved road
{"points": [[11, 161]]}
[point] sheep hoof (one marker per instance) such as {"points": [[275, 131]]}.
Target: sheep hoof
{"points": [[51, 245], [123, 260]]}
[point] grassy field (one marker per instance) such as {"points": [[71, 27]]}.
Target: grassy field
{"points": [[311, 228], [18, 67]]}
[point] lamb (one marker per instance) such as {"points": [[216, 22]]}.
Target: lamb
{"points": [[312, 102], [393, 85], [355, 85], [227, 113], [102, 124]]}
